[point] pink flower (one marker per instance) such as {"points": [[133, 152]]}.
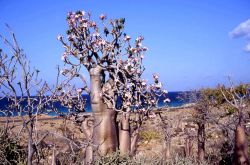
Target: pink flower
{"points": [[59, 37], [158, 85], [128, 103], [82, 20], [79, 90], [143, 83], [135, 60], [83, 13], [62, 71], [127, 38], [77, 16], [128, 95], [142, 56], [64, 57], [129, 85], [93, 24], [133, 50], [70, 38], [70, 13], [139, 39], [72, 22], [167, 100], [102, 42], [96, 34], [116, 80], [152, 101], [85, 25], [155, 76], [144, 48], [165, 91], [102, 17]]}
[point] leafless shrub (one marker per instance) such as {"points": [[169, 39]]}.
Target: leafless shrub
{"points": [[24, 91]]}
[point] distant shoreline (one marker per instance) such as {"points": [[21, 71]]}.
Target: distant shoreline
{"points": [[44, 117]]}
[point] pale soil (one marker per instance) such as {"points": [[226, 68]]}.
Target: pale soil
{"points": [[182, 128]]}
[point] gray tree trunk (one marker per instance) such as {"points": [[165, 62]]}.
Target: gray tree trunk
{"points": [[241, 147], [189, 147], [124, 135], [31, 149], [201, 141], [167, 149], [134, 140], [104, 132], [135, 135], [88, 131]]}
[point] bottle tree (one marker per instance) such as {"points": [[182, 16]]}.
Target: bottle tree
{"points": [[114, 64], [238, 97]]}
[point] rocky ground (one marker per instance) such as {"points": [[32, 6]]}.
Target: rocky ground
{"points": [[65, 136]]}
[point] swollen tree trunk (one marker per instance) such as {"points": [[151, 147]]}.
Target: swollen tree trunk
{"points": [[201, 141], [134, 140], [241, 147], [124, 135], [135, 135], [104, 133], [88, 131], [240, 151]]}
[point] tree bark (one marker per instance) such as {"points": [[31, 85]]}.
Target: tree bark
{"points": [[188, 147], [167, 149], [135, 135], [241, 147], [88, 131], [201, 141], [88, 155], [104, 133], [54, 156], [134, 141], [124, 135], [31, 149]]}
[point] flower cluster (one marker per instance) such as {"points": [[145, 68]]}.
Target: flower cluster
{"points": [[107, 46]]}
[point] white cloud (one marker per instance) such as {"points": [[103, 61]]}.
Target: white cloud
{"points": [[247, 48], [242, 30]]}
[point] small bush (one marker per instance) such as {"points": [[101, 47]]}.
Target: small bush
{"points": [[149, 135], [141, 160], [11, 152], [230, 110]]}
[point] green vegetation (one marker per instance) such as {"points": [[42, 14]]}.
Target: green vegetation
{"points": [[149, 135], [11, 152]]}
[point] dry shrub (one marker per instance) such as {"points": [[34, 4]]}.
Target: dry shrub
{"points": [[142, 160], [149, 135], [11, 152]]}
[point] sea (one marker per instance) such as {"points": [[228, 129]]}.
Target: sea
{"points": [[177, 99]]}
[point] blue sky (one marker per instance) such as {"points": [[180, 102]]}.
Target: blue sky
{"points": [[189, 42]]}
